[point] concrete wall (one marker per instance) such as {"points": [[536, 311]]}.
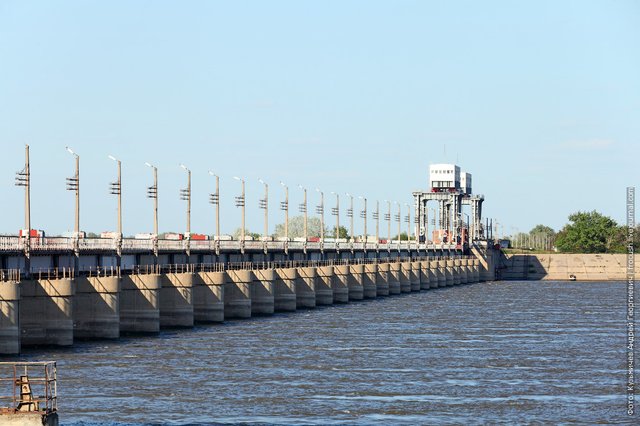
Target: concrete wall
{"points": [[558, 266]]}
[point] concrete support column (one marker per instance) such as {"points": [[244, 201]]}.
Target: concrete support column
{"points": [[405, 280], [439, 269], [208, 297], [46, 312], [176, 300], [262, 292], [382, 282], [448, 269], [324, 285], [9, 318], [425, 276], [463, 271], [446, 273], [284, 290], [356, 277], [369, 285], [96, 308], [306, 288], [140, 304], [341, 284], [476, 271], [457, 279], [237, 294], [411, 270], [394, 278]]}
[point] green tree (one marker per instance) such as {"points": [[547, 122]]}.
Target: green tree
{"points": [[342, 232], [589, 232], [237, 234], [296, 228]]}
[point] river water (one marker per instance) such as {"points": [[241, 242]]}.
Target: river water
{"points": [[488, 353]]}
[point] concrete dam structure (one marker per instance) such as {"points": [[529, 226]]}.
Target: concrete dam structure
{"points": [[56, 308]]}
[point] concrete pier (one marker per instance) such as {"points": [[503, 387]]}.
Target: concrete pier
{"points": [[237, 294], [369, 286], [262, 293], [456, 272], [208, 297], [96, 308], [382, 282], [434, 266], [140, 304], [425, 279], [394, 278], [306, 288], [356, 277], [324, 285], [341, 284], [405, 277], [176, 299], [412, 271], [448, 269], [476, 270], [46, 312], [284, 290], [463, 271], [9, 318]]}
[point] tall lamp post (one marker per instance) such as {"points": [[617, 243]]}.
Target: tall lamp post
{"points": [[376, 216], [23, 178], [336, 212], [363, 215], [284, 206], [264, 204], [303, 209], [152, 192], [73, 184], [214, 199], [116, 189], [350, 216], [407, 219], [185, 195], [398, 220], [240, 202], [387, 217], [320, 211]]}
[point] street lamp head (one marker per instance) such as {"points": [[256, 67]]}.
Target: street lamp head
{"points": [[184, 167], [111, 157], [150, 165], [212, 174], [283, 184], [237, 178], [361, 197], [261, 181], [70, 151], [348, 195], [318, 190], [302, 187]]}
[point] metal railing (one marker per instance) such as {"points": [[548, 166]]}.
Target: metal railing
{"points": [[29, 387], [10, 275]]}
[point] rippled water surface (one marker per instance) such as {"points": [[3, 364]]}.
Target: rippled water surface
{"points": [[508, 352]]}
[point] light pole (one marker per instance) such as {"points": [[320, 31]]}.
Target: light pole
{"points": [[433, 222], [376, 216], [116, 189], [284, 205], [185, 195], [350, 216], [73, 184], [264, 204], [407, 219], [320, 211], [303, 209], [336, 212], [240, 203], [387, 217], [152, 192], [214, 199], [398, 220], [23, 178], [363, 215]]}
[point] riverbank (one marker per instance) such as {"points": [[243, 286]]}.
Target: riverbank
{"points": [[559, 266]]}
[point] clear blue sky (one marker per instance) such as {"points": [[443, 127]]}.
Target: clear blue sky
{"points": [[540, 100]]}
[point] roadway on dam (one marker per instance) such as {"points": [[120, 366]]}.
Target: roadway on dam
{"points": [[472, 354]]}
